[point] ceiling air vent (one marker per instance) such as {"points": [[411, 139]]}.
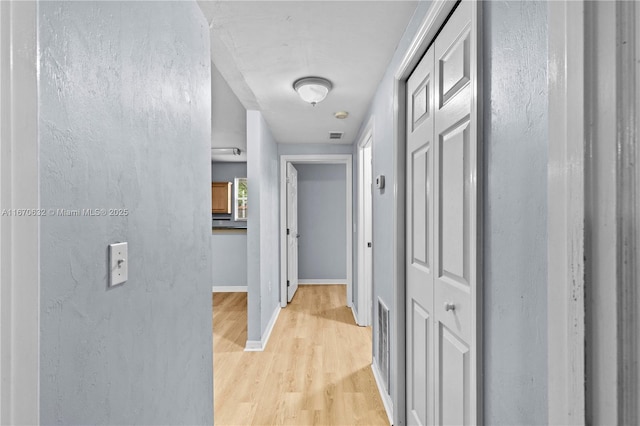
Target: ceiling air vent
{"points": [[335, 135]]}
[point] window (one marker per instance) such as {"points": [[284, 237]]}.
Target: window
{"points": [[240, 198]]}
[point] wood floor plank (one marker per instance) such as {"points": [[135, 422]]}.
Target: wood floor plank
{"points": [[314, 371]]}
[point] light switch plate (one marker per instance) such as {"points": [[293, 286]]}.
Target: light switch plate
{"points": [[118, 263]]}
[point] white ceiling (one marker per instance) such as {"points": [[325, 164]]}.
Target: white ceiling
{"points": [[262, 47]]}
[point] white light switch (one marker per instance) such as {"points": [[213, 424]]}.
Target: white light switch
{"points": [[118, 263]]}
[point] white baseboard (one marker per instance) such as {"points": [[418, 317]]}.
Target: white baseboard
{"points": [[254, 346], [322, 281], [260, 345], [386, 398], [229, 289], [355, 317]]}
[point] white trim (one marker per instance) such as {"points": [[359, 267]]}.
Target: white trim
{"points": [[229, 289], [345, 159], [254, 346], [565, 249], [260, 345], [272, 322], [19, 236], [386, 398], [429, 28], [319, 281], [593, 205], [355, 314], [365, 294]]}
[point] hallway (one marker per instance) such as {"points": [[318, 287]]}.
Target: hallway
{"points": [[315, 369]]}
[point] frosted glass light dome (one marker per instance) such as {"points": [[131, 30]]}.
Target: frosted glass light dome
{"points": [[312, 89]]}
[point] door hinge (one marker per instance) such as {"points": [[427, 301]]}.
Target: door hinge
{"points": [[369, 244], [288, 283], [288, 231]]}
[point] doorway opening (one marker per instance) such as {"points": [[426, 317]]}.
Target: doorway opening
{"points": [[289, 242]]}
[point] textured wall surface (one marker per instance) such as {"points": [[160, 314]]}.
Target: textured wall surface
{"points": [[229, 247], [229, 257], [226, 172], [313, 148], [381, 111], [515, 217], [228, 119], [262, 226], [125, 110], [322, 221]]}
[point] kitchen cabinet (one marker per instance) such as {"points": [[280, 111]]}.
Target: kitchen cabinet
{"points": [[221, 197]]}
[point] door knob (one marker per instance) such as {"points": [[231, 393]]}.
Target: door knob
{"points": [[449, 307]]}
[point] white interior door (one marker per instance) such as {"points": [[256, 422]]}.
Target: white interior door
{"points": [[442, 229], [292, 231], [365, 230], [368, 231]]}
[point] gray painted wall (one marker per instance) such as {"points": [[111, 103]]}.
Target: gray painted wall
{"points": [[124, 122], [226, 172], [515, 216], [228, 119], [381, 113], [322, 221], [515, 348], [262, 226], [229, 257], [229, 247], [313, 148]]}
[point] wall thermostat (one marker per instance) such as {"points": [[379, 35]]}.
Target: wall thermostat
{"points": [[380, 181]]}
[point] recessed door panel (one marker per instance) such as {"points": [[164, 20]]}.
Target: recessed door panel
{"points": [[454, 67], [453, 380], [421, 368], [453, 225], [420, 99], [420, 207]]}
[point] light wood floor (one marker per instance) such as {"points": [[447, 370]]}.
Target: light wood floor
{"points": [[315, 369]]}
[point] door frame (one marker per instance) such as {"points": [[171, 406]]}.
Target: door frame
{"points": [[345, 159], [365, 293], [19, 236], [426, 34], [565, 192], [594, 120]]}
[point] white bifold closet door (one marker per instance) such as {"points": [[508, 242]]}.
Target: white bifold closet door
{"points": [[441, 208]]}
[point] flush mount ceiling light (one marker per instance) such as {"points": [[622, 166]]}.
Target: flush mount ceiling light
{"points": [[226, 151], [341, 115], [312, 89]]}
